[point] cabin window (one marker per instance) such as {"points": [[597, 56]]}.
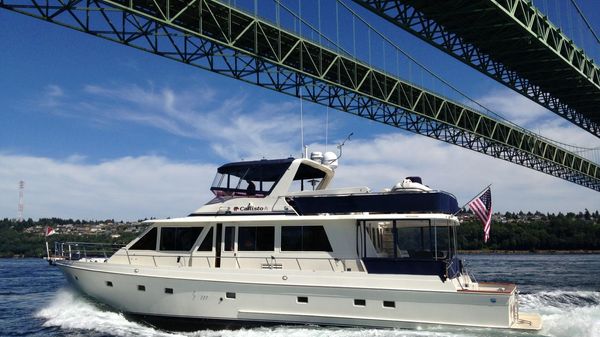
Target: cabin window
{"points": [[442, 242], [230, 295], [178, 238], [414, 242], [207, 243], [302, 299], [248, 178], [168, 290], [229, 238], [146, 242], [256, 238], [304, 238]]}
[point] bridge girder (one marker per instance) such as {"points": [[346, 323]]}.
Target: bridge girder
{"points": [[225, 40], [505, 40]]}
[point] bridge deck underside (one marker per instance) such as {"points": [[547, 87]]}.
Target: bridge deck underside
{"points": [[535, 58], [216, 37]]}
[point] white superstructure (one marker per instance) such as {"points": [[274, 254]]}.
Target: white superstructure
{"points": [[276, 246]]}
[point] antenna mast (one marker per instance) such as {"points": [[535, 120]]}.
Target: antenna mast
{"points": [[21, 193]]}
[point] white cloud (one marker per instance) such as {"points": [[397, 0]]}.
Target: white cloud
{"points": [[513, 106], [52, 96], [234, 127], [525, 113], [122, 188]]}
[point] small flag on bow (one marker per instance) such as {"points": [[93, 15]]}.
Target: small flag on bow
{"points": [[50, 231], [482, 207]]}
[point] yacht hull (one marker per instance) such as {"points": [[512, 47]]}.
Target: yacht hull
{"points": [[183, 299]]}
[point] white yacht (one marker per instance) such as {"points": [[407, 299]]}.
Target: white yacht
{"points": [[276, 246]]}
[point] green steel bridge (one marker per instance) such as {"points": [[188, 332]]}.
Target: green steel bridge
{"points": [[215, 36], [510, 41]]}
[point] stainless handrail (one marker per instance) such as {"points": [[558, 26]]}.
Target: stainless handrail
{"points": [[78, 250]]}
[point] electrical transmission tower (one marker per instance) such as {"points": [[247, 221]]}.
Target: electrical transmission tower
{"points": [[21, 192]]}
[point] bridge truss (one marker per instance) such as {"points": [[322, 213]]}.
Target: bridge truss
{"points": [[217, 37], [510, 41]]}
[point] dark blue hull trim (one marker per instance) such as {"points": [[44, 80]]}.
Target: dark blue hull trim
{"points": [[401, 202]]}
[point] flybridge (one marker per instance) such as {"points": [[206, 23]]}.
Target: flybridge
{"points": [[259, 178], [300, 187]]}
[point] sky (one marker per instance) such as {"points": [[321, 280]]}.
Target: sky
{"points": [[98, 130]]}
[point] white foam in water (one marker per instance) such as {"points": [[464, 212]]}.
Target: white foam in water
{"points": [[565, 314], [69, 311]]}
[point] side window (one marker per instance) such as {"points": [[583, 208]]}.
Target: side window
{"points": [[304, 238], [146, 242], [229, 238], [256, 238], [207, 243], [314, 238], [178, 238], [291, 238]]}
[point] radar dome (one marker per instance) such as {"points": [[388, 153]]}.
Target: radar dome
{"points": [[317, 156], [330, 159]]}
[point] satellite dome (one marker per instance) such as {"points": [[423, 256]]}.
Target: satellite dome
{"points": [[330, 159]]}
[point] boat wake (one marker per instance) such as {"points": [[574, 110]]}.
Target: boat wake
{"points": [[565, 314], [69, 311]]}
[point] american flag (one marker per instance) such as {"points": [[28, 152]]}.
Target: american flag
{"points": [[482, 207], [49, 231]]}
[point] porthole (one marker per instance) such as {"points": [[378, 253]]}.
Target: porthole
{"points": [[389, 304], [360, 303], [109, 284]]}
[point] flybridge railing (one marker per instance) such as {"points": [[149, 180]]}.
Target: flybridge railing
{"points": [[85, 250]]}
